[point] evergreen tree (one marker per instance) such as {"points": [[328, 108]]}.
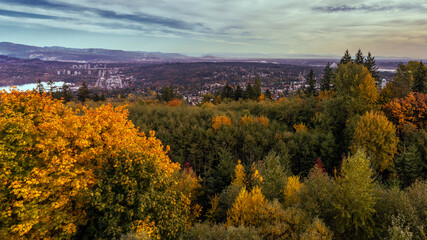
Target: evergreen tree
{"points": [[359, 59], [327, 77], [257, 88], [268, 94], [227, 92], [83, 93], [167, 93], [66, 93], [238, 93], [409, 165], [40, 89], [52, 86], [249, 92], [373, 69], [420, 78], [311, 81], [346, 58]]}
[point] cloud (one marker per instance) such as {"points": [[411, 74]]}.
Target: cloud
{"points": [[27, 15]]}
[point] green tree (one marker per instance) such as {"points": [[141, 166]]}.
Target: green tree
{"points": [[346, 58], [65, 93], [420, 79], [311, 81], [227, 92], [167, 93], [409, 165], [40, 88], [238, 93], [372, 68], [249, 92], [359, 58], [274, 176], [354, 199], [83, 93], [325, 82], [257, 88], [268, 94]]}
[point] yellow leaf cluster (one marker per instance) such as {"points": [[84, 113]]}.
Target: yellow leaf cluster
{"points": [[263, 121], [375, 135], [292, 190], [247, 208], [174, 102], [239, 175], [49, 154], [219, 121], [246, 120], [300, 127]]}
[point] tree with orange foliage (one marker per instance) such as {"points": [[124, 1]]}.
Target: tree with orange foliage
{"points": [[62, 168], [409, 110]]}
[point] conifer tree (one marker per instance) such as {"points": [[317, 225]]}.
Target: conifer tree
{"points": [[227, 92], [372, 68], [409, 165], [83, 93], [257, 88], [420, 78], [238, 93], [327, 77], [359, 59], [311, 89], [268, 94], [346, 58], [249, 93]]}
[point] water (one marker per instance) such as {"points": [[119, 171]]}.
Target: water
{"points": [[31, 86]]}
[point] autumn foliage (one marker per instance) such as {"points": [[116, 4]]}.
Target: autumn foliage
{"points": [[409, 110], [219, 121], [52, 161]]}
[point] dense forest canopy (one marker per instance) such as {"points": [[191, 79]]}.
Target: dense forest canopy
{"points": [[340, 161]]}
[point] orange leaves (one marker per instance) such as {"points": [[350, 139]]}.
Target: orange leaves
{"points": [[174, 103], [409, 110], [219, 121], [49, 154]]}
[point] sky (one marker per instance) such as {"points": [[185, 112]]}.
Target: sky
{"points": [[276, 28]]}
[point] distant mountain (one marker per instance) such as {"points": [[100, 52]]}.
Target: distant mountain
{"points": [[84, 55]]}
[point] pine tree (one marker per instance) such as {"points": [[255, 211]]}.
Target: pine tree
{"points": [[346, 58], [420, 78], [66, 93], [83, 93], [373, 69], [40, 89], [409, 165], [238, 93], [268, 94], [249, 93], [359, 59], [327, 77], [257, 88], [227, 92], [311, 90]]}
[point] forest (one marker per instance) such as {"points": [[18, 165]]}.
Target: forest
{"points": [[346, 161]]}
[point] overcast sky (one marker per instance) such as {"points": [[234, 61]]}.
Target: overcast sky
{"points": [[274, 27]]}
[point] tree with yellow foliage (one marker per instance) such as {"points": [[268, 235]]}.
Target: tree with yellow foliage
{"points": [[375, 135], [62, 168], [247, 209], [292, 190], [239, 175], [220, 121]]}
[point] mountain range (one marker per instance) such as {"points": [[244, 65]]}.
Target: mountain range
{"points": [[84, 55]]}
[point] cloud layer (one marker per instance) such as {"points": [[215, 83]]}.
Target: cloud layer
{"points": [[393, 28]]}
